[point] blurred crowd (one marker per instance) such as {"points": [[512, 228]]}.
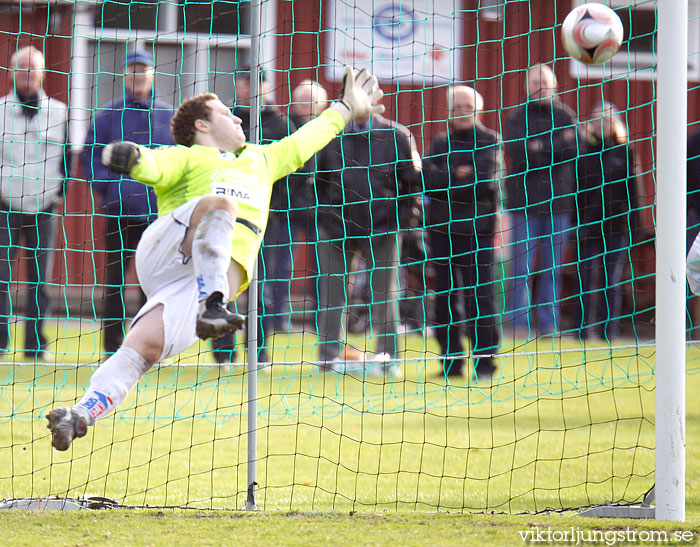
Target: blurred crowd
{"points": [[467, 242]]}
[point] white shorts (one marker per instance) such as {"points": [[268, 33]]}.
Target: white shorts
{"points": [[167, 277]]}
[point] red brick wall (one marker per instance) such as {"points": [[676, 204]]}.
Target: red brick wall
{"points": [[494, 57]]}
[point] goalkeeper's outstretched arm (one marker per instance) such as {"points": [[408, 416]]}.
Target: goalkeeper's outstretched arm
{"points": [[161, 167], [359, 98]]}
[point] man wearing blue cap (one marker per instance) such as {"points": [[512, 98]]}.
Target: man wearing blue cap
{"points": [[128, 205]]}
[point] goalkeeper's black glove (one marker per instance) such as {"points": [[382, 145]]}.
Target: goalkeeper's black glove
{"points": [[359, 96], [121, 156]]}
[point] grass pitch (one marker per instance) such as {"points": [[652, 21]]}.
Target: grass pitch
{"points": [[562, 426], [176, 527]]}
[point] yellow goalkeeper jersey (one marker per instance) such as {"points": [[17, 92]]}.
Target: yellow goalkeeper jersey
{"points": [[180, 173]]}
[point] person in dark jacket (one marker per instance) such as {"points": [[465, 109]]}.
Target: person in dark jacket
{"points": [[693, 215], [608, 219], [462, 170], [540, 144], [693, 176], [309, 99], [275, 268], [129, 206], [367, 185]]}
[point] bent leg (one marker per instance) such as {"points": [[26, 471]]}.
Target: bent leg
{"points": [[211, 233], [208, 241], [112, 381], [117, 376]]}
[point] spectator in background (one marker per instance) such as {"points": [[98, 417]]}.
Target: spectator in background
{"points": [[129, 205], [461, 173], [693, 217], [607, 205], [32, 178], [309, 99], [367, 183], [275, 268], [540, 145], [693, 176]]}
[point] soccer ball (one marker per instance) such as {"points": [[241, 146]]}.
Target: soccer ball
{"points": [[592, 33]]}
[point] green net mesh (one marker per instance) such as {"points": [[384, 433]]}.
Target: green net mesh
{"points": [[388, 300]]}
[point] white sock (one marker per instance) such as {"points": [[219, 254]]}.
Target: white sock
{"points": [[211, 252], [111, 383]]}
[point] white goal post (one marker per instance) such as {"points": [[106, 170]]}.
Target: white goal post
{"points": [[671, 142]]}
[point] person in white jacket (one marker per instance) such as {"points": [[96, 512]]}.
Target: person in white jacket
{"points": [[32, 175]]}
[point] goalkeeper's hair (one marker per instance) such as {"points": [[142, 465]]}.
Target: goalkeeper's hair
{"points": [[191, 110]]}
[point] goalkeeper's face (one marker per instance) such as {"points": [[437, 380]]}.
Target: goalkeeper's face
{"points": [[223, 127]]}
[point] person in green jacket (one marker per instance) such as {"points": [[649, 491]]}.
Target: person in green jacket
{"points": [[213, 194]]}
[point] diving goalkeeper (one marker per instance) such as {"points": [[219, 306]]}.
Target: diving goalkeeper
{"points": [[213, 194]]}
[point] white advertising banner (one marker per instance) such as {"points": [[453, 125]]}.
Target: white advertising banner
{"points": [[409, 41]]}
